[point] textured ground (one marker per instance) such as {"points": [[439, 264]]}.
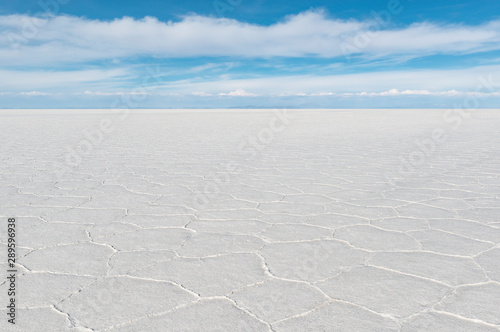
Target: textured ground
{"points": [[253, 221]]}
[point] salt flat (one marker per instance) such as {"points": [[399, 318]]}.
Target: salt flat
{"points": [[268, 220]]}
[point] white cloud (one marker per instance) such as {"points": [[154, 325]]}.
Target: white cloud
{"points": [[167, 94], [242, 93], [449, 93], [381, 83], [396, 92], [26, 79], [322, 94], [238, 93], [211, 67], [405, 81], [34, 93], [119, 93], [201, 94], [74, 39]]}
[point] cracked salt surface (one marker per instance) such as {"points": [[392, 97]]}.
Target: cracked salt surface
{"points": [[314, 231]]}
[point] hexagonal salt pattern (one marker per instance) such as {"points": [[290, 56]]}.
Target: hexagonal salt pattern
{"points": [[188, 221]]}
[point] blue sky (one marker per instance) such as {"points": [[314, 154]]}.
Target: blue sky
{"points": [[241, 53]]}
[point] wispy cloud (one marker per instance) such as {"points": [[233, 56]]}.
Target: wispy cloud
{"points": [[212, 67], [242, 93], [396, 92], [388, 82], [34, 79], [119, 93], [201, 94], [70, 39], [238, 93], [211, 60], [34, 93], [431, 82]]}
